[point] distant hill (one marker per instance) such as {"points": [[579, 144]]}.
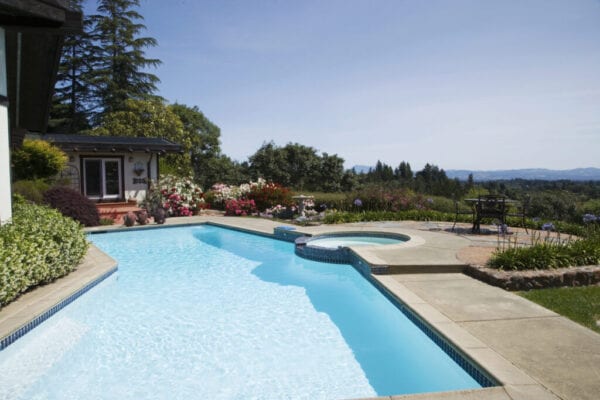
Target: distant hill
{"points": [[577, 174], [362, 169]]}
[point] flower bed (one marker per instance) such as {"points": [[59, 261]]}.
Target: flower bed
{"points": [[250, 198]]}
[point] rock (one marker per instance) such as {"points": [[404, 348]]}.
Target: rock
{"points": [[160, 215], [129, 218], [142, 217]]}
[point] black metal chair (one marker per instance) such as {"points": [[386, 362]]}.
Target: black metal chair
{"points": [[461, 211], [521, 213]]}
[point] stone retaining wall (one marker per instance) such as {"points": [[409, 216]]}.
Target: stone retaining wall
{"points": [[537, 279]]}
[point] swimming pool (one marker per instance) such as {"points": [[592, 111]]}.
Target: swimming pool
{"points": [[203, 312]]}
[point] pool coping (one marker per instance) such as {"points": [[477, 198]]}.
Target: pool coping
{"points": [[514, 382], [37, 305]]}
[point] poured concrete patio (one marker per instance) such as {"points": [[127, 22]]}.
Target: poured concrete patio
{"points": [[533, 352]]}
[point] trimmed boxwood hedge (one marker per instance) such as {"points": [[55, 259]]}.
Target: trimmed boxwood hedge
{"points": [[39, 246]]}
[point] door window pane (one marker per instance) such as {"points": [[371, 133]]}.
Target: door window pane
{"points": [[111, 176], [93, 177]]}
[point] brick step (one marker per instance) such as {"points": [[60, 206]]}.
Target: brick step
{"points": [[116, 211]]}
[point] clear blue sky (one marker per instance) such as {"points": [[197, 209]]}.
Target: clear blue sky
{"points": [[475, 84]]}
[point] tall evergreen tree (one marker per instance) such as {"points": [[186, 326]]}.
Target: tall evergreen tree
{"points": [[73, 103], [121, 73], [404, 172]]}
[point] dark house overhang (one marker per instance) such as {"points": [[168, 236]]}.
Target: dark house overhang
{"points": [[110, 144], [40, 15], [34, 37]]}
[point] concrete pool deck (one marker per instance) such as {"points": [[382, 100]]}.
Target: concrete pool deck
{"points": [[533, 352]]}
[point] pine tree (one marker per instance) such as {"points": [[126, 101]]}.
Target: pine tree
{"points": [[120, 74], [73, 103]]}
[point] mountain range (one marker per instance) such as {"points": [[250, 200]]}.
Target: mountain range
{"points": [[577, 174]]}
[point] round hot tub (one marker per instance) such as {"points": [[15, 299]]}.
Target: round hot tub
{"points": [[335, 241], [335, 247]]}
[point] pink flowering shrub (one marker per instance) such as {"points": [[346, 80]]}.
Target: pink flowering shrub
{"points": [[269, 195], [220, 193], [240, 207], [180, 197], [265, 194]]}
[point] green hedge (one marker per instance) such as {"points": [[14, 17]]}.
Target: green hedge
{"points": [[409, 215], [39, 246]]}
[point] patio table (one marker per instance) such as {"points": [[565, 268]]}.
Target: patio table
{"points": [[489, 206]]}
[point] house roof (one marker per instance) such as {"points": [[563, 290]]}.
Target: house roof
{"points": [[85, 143]]}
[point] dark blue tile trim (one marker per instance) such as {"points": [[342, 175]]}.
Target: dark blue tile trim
{"points": [[470, 366], [344, 255], [20, 332]]}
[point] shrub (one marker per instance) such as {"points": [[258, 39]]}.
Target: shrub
{"points": [[329, 201], [269, 195], [220, 193], [591, 206], [39, 246], [264, 194], [279, 212], [32, 190], [442, 204], [380, 198], [240, 207], [38, 159], [73, 204], [546, 254], [178, 196], [408, 215]]}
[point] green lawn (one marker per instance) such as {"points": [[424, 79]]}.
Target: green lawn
{"points": [[581, 304]]}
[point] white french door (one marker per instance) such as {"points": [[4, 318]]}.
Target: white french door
{"points": [[102, 178]]}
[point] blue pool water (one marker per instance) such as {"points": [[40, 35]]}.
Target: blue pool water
{"points": [[208, 313]]}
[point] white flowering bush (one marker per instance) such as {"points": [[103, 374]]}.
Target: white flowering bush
{"points": [[220, 193], [178, 196]]}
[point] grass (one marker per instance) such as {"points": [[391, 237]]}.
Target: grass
{"points": [[580, 304]]}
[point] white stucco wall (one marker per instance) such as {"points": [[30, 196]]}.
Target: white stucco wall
{"points": [[137, 190], [5, 191]]}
